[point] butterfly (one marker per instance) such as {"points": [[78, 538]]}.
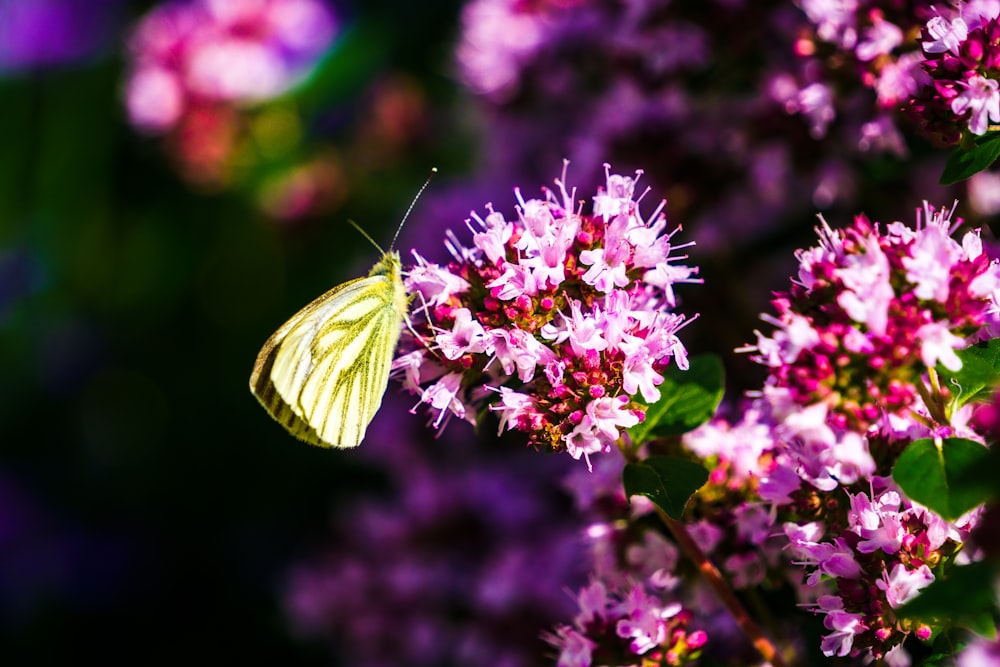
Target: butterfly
{"points": [[322, 374]]}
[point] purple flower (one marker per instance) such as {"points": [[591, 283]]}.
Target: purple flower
{"points": [[979, 652], [903, 584], [872, 311], [879, 40], [844, 626], [635, 621], [460, 559], [961, 64], [835, 19], [982, 100], [575, 648]]}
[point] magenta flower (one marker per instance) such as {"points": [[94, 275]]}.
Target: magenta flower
{"points": [[979, 652], [557, 321], [873, 310], [879, 39], [867, 557], [575, 648], [843, 626]]}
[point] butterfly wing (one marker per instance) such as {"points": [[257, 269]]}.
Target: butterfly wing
{"points": [[322, 375]]}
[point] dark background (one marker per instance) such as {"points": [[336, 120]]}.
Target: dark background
{"points": [[148, 505]]}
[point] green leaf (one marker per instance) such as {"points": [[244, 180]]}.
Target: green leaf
{"points": [[979, 375], [936, 476], [964, 162], [688, 399], [964, 598], [667, 481]]}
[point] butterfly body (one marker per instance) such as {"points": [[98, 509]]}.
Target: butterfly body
{"points": [[323, 373]]}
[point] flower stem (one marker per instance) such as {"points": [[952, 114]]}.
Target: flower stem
{"points": [[722, 590], [933, 400]]}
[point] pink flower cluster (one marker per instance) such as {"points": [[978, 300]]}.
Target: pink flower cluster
{"points": [[875, 551], [873, 310], [854, 552], [558, 321], [638, 609], [871, 45], [963, 63], [871, 313], [184, 55], [636, 622], [728, 520]]}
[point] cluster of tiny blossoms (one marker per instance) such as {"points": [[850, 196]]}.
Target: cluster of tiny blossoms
{"points": [[187, 56], [963, 63], [873, 310], [645, 605], [852, 552], [559, 321], [872, 45], [875, 551], [631, 628], [635, 609], [871, 313]]}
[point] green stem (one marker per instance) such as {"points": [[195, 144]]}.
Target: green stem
{"points": [[722, 590], [933, 398]]}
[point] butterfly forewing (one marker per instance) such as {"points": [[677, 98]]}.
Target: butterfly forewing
{"points": [[345, 390], [323, 373]]}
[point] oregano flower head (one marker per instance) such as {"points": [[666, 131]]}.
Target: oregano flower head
{"points": [[872, 310], [560, 322]]}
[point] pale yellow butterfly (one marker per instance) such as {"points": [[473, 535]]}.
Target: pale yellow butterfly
{"points": [[323, 373]]}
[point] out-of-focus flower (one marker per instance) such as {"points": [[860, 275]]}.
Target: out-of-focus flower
{"points": [[643, 83], [462, 562], [558, 321], [979, 653], [208, 76], [984, 192], [198, 52], [316, 185], [646, 627], [42, 33]]}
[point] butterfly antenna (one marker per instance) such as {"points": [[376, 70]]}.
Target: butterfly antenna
{"points": [[412, 204], [366, 235]]}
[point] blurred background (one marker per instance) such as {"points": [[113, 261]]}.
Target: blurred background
{"points": [[175, 182]]}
